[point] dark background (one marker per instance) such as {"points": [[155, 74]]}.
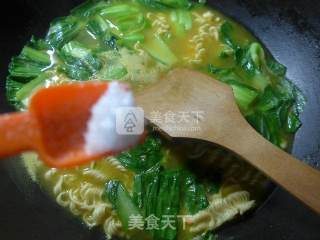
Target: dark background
{"points": [[289, 29]]}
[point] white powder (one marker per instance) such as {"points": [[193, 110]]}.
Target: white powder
{"points": [[101, 135]]}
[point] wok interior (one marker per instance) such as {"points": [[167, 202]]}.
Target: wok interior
{"points": [[215, 158]]}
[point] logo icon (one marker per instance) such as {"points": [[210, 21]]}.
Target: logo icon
{"points": [[130, 121]]}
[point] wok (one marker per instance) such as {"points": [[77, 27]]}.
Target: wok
{"points": [[290, 29]]}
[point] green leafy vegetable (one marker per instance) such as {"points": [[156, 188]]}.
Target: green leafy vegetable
{"points": [[224, 74], [98, 26], [144, 156], [29, 64], [276, 68], [12, 87], [80, 62], [150, 197], [130, 40], [182, 20], [248, 64], [110, 42], [90, 8], [30, 87], [133, 24], [272, 105], [127, 22], [268, 125], [103, 32], [157, 193], [119, 11], [244, 94], [122, 202], [195, 198], [75, 70], [158, 49], [268, 100], [226, 37], [168, 204], [250, 60], [293, 122], [63, 30], [160, 4], [32, 62], [276, 121], [39, 44], [76, 51], [24, 69], [145, 189], [253, 64], [258, 121], [36, 56], [125, 208], [284, 104], [114, 72]]}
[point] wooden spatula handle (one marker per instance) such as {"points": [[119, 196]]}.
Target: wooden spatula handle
{"points": [[293, 175], [17, 133]]}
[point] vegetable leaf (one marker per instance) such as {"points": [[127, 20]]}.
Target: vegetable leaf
{"points": [[159, 50], [80, 62], [276, 68], [168, 204], [145, 189], [98, 26], [160, 4], [119, 11], [225, 35], [30, 87], [182, 20], [30, 63], [121, 202], [89, 8], [23, 69], [244, 94], [63, 30], [195, 198], [12, 88], [144, 156]]}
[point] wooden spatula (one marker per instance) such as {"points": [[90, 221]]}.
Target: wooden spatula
{"points": [[186, 91]]}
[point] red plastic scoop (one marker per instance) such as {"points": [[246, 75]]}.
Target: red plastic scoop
{"points": [[54, 125]]}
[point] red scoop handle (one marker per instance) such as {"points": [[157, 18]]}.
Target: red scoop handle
{"points": [[18, 132]]}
